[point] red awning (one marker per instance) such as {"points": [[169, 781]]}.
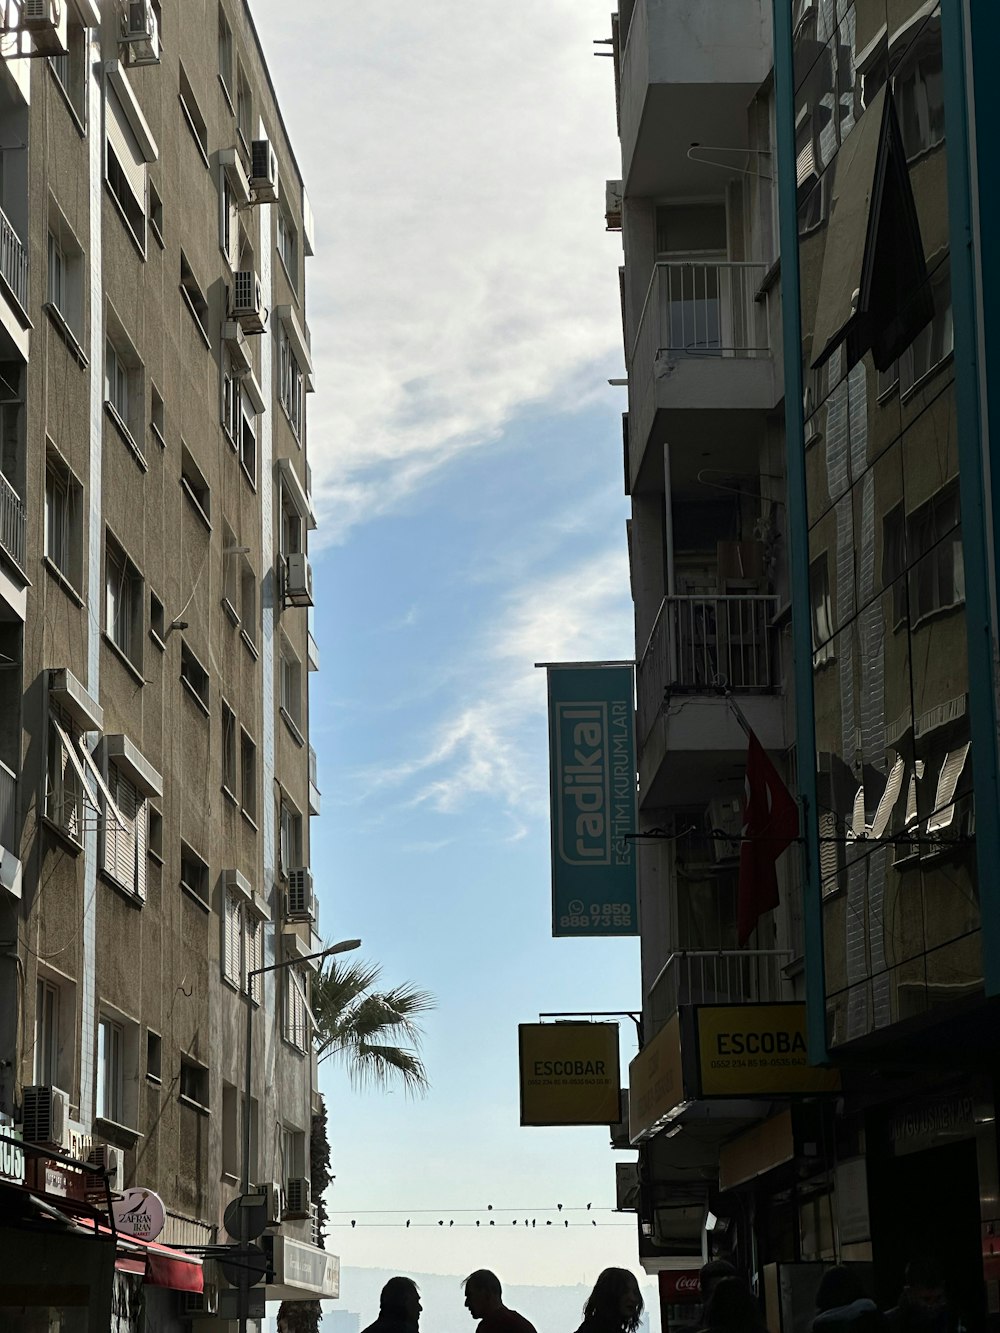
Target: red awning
{"points": [[160, 1265]]}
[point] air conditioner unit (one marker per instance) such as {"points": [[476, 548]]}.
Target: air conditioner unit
{"points": [[45, 20], [298, 580], [237, 347], [140, 33], [112, 1161], [297, 1197], [274, 1202], [248, 301], [44, 1114], [301, 903], [263, 172], [725, 821]]}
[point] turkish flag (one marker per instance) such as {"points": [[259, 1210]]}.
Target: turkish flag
{"points": [[770, 824]]}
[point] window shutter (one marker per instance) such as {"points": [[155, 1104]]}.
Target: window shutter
{"points": [[231, 969], [120, 843], [951, 771], [141, 848], [125, 146]]}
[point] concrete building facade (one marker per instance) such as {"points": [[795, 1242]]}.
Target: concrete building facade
{"points": [[157, 779]]}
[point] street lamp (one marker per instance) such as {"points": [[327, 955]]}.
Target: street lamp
{"points": [[343, 946]]}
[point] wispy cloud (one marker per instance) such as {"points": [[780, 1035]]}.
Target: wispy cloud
{"points": [[455, 165], [477, 748]]}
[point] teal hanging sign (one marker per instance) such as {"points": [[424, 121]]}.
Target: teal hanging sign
{"points": [[593, 799]]}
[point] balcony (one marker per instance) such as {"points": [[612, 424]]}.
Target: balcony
{"points": [[8, 807], [702, 344], [314, 793], [14, 264], [699, 647], [13, 523], [722, 976], [688, 70]]}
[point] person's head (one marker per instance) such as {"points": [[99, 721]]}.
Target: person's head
{"points": [[838, 1286], [615, 1302], [731, 1308], [713, 1272], [924, 1292], [401, 1300], [483, 1293]]}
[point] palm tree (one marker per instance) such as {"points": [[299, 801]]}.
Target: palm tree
{"points": [[374, 1032]]}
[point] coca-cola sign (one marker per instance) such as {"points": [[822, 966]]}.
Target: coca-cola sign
{"points": [[680, 1286]]}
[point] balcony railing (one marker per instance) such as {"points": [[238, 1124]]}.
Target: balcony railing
{"points": [[8, 807], [13, 522], [703, 643], [723, 976], [698, 310], [13, 262]]}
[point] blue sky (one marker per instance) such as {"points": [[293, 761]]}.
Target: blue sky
{"points": [[467, 460]]}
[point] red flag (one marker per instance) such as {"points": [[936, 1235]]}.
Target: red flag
{"points": [[770, 824]]}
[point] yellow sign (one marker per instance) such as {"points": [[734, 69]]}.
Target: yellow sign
{"points": [[655, 1082], [569, 1073], [752, 1050]]}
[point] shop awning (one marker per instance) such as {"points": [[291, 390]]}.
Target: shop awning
{"points": [[159, 1265]]}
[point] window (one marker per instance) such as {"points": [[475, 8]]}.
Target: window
{"points": [[296, 1031], [244, 108], [65, 282], [290, 684], [70, 69], [47, 1033], [154, 1055], [124, 845], [293, 1153], [248, 602], [194, 677], [248, 435], [63, 520], [934, 548], [116, 388], [289, 837], [230, 1131], [194, 1082], [194, 873], [156, 628], [229, 778], [156, 214], [253, 950], [65, 787], [290, 537], [226, 54], [287, 247], [935, 342], [230, 574], [192, 114], [232, 940], [822, 611], [123, 603], [156, 415], [194, 298], [125, 167], [110, 1071], [229, 220], [155, 834], [248, 776], [195, 486], [919, 89], [123, 388], [291, 385], [231, 410], [894, 560]]}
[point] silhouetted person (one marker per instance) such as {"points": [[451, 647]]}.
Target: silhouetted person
{"points": [[711, 1273], [732, 1309], [615, 1305], [923, 1303], [398, 1307], [483, 1300], [843, 1306]]}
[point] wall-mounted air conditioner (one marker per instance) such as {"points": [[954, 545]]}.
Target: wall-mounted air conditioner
{"points": [[297, 1197], [45, 21], [263, 172], [111, 1160], [298, 580], [44, 1114], [248, 301], [140, 33], [301, 905]]}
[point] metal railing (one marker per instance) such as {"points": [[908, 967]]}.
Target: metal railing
{"points": [[13, 261], [703, 643], [719, 976], [13, 522], [312, 766], [8, 808], [314, 1230], [703, 309]]}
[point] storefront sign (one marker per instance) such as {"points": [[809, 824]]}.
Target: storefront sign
{"points": [[757, 1050], [593, 799], [760, 1149], [655, 1082], [569, 1073], [11, 1156], [304, 1268], [931, 1121], [680, 1286], [140, 1213]]}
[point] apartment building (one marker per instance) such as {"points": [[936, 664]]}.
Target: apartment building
{"points": [[808, 292], [156, 778]]}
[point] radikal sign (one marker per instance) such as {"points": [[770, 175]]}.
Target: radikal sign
{"points": [[593, 799], [569, 1073], [755, 1050]]}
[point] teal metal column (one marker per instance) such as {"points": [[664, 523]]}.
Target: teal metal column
{"points": [[978, 22], [798, 528]]}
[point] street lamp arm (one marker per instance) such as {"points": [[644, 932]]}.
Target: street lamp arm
{"points": [[344, 946]]}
